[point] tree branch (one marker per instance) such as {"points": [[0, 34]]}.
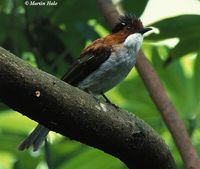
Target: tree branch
{"points": [[159, 96], [77, 115]]}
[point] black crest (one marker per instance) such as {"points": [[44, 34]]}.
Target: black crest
{"points": [[126, 20]]}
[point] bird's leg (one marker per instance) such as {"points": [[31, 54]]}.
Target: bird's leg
{"points": [[108, 101]]}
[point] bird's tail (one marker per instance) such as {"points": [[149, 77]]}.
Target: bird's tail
{"points": [[35, 139]]}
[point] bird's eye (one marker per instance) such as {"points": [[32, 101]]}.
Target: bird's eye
{"points": [[128, 27]]}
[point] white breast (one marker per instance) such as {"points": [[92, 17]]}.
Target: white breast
{"points": [[115, 68]]}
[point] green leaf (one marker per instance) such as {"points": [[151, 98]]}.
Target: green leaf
{"points": [[76, 31], [196, 78], [185, 46], [15, 122], [71, 154], [180, 26], [184, 27], [82, 11]]}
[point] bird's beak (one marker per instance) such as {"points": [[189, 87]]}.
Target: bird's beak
{"points": [[144, 30]]}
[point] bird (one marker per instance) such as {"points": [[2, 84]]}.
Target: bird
{"points": [[101, 66]]}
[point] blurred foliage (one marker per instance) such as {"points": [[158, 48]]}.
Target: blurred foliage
{"points": [[51, 37], [186, 28], [128, 6]]}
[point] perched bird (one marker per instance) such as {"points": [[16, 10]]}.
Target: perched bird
{"points": [[101, 66]]}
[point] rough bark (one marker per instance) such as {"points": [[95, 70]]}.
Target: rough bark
{"points": [[78, 115], [159, 97]]}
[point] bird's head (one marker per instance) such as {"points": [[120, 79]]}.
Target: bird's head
{"points": [[131, 30], [129, 24]]}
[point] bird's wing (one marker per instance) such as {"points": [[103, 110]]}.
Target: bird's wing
{"points": [[90, 59]]}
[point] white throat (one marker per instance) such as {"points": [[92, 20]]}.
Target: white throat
{"points": [[134, 42]]}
